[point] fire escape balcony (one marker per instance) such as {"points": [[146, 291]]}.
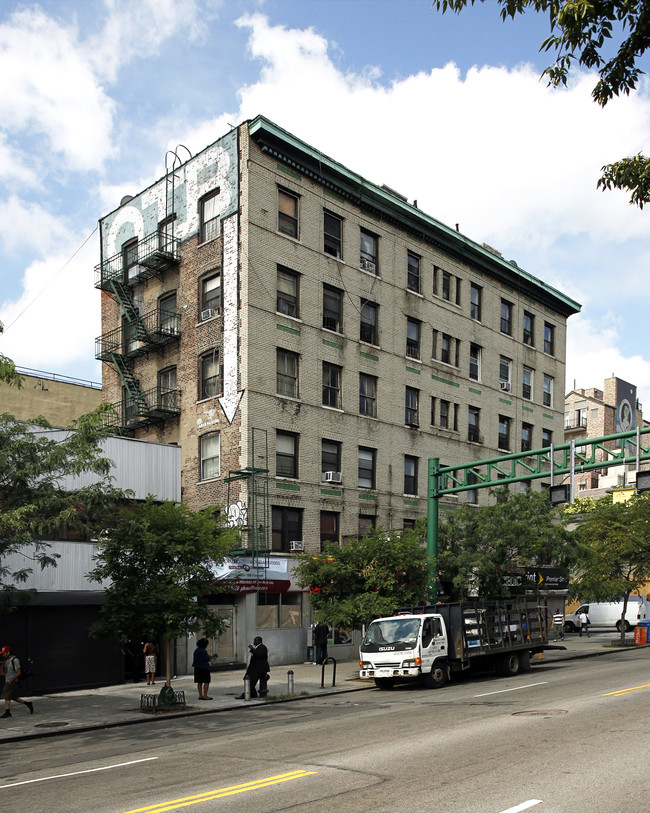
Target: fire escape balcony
{"points": [[152, 255], [151, 406], [151, 331]]}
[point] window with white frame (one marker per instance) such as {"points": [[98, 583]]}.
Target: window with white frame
{"points": [[210, 295], [474, 424], [527, 383], [210, 385], [286, 454], [526, 437], [332, 309], [549, 339], [504, 433], [367, 395], [529, 329], [330, 458], [368, 259], [332, 235], [475, 362], [210, 454], [412, 407], [287, 292], [288, 213], [287, 373], [413, 280], [366, 476], [209, 216], [475, 296], [506, 317], [410, 475], [547, 394], [369, 322], [505, 371], [412, 338], [332, 385]]}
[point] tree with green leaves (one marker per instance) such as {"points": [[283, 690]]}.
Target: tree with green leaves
{"points": [[479, 548], [609, 36], [37, 497], [157, 560], [370, 577], [615, 551], [8, 374]]}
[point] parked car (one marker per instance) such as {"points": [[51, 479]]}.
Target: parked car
{"points": [[608, 614]]}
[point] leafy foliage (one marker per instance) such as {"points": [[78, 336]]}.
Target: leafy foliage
{"points": [[157, 562], [479, 547], [609, 36], [35, 500], [8, 374], [370, 577]]}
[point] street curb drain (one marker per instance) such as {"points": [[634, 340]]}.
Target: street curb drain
{"points": [[539, 712]]}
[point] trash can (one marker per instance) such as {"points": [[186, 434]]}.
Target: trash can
{"points": [[641, 632]]}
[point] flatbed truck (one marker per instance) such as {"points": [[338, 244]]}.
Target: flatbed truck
{"points": [[433, 643]]}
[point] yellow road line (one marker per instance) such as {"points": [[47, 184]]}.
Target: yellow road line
{"points": [[625, 691], [220, 792]]}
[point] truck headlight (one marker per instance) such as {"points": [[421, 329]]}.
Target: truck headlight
{"points": [[412, 662]]}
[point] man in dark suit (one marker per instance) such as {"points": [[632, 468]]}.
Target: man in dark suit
{"points": [[258, 668]]}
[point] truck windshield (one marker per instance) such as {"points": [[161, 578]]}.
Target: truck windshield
{"points": [[400, 632]]}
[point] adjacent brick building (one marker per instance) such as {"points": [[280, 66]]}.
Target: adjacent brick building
{"points": [[310, 339]]}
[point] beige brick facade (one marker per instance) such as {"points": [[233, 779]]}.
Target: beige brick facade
{"points": [[423, 340]]}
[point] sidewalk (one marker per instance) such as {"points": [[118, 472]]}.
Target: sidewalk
{"points": [[112, 706]]}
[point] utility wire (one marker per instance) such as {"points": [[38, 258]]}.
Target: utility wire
{"points": [[58, 273]]}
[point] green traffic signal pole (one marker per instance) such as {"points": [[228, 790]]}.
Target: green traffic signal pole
{"points": [[566, 459]]}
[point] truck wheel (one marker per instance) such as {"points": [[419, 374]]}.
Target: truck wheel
{"points": [[569, 627], [437, 677], [384, 683], [626, 626], [524, 661], [509, 665]]}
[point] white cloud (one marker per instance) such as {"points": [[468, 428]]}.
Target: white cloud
{"points": [[29, 226], [46, 87]]}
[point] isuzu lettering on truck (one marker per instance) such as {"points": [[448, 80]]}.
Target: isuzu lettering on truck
{"points": [[432, 643]]}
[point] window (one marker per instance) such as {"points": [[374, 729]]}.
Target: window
{"points": [[475, 362], [210, 453], [366, 523], [367, 395], [445, 348], [475, 296], [287, 294], [286, 527], [436, 274], [333, 235], [209, 216], [286, 454], [366, 467], [527, 384], [434, 344], [410, 475], [473, 425], [433, 411], [413, 275], [168, 315], [526, 437], [458, 288], [288, 213], [446, 285], [330, 457], [166, 234], [167, 392], [210, 296], [368, 326], [506, 317], [287, 373], [504, 433], [547, 398], [472, 494], [329, 528], [547, 438], [412, 338], [278, 610], [368, 252], [210, 385], [529, 329], [130, 256], [444, 414], [332, 308], [505, 367], [331, 385], [412, 407], [549, 339]]}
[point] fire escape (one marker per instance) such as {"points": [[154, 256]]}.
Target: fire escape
{"points": [[141, 333]]}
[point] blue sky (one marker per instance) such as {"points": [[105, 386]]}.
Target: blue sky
{"points": [[447, 109]]}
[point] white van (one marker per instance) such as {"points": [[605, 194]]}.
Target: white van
{"points": [[608, 614]]}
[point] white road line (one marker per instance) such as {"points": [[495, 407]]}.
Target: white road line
{"points": [[77, 773], [523, 806], [516, 689]]}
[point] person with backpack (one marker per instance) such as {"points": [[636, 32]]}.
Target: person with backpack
{"points": [[11, 687]]}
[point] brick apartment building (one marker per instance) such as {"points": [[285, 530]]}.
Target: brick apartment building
{"points": [[310, 339]]}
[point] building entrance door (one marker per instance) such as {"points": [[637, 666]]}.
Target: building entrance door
{"points": [[226, 643]]}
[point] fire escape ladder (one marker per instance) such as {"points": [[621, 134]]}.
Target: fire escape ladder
{"points": [[131, 383], [129, 309]]}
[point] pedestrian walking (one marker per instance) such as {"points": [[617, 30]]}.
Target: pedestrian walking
{"points": [[584, 623], [201, 664], [558, 625], [150, 651], [11, 688], [258, 669], [321, 634]]}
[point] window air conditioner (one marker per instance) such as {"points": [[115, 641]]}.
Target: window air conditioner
{"points": [[207, 314], [296, 545], [505, 386], [367, 265], [332, 476]]}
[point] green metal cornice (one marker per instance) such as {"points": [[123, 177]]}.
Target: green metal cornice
{"points": [[381, 203]]}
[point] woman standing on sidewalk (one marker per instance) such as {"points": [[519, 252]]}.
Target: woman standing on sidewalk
{"points": [[201, 664]]}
